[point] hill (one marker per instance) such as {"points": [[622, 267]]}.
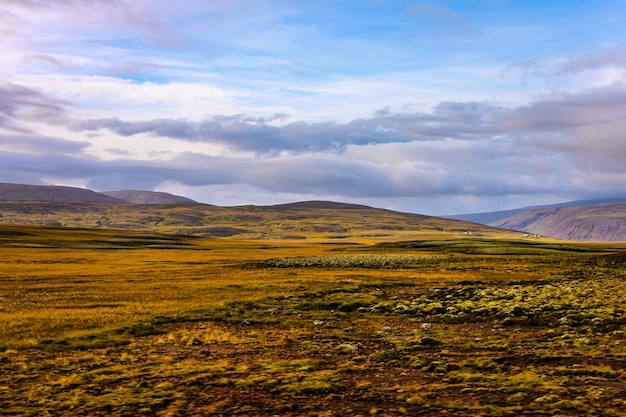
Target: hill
{"points": [[491, 217], [146, 197], [64, 206], [308, 205], [598, 222], [24, 192], [329, 221]]}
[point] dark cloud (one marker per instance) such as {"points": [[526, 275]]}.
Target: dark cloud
{"points": [[115, 174], [19, 103], [41, 144], [237, 131], [248, 133]]}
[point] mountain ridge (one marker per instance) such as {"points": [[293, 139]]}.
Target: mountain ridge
{"points": [[489, 217], [598, 222]]}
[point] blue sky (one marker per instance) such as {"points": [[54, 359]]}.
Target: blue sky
{"points": [[434, 107]]}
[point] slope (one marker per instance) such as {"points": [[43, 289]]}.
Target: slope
{"points": [[313, 220], [146, 197], [331, 221], [25, 192], [600, 222], [490, 217]]}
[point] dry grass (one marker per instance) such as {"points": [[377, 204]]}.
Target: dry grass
{"points": [[105, 323]]}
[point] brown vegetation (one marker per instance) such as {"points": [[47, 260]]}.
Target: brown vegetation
{"points": [[111, 322]]}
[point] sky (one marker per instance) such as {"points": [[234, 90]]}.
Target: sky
{"points": [[437, 107]]}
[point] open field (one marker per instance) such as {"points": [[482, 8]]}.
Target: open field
{"points": [[110, 322]]}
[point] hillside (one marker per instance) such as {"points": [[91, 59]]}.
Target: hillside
{"points": [[24, 192], [73, 207], [491, 217], [600, 222], [332, 221], [146, 197]]}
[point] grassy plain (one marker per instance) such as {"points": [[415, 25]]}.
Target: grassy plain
{"points": [[110, 322]]}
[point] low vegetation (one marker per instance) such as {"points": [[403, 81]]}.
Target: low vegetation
{"points": [[143, 323]]}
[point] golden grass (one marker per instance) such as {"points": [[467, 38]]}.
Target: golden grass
{"points": [[104, 323]]}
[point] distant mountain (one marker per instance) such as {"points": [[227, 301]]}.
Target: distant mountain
{"points": [[146, 197], [597, 222], [491, 217], [24, 192]]}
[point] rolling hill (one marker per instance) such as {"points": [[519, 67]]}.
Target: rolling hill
{"points": [[598, 222], [303, 220], [24, 192], [146, 197]]}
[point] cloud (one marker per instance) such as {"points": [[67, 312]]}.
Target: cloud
{"points": [[34, 144], [261, 135], [113, 174], [467, 148], [604, 68], [615, 57], [544, 139], [19, 104], [90, 15], [565, 144], [566, 111]]}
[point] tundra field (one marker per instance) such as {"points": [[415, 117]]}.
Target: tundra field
{"points": [[123, 323]]}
